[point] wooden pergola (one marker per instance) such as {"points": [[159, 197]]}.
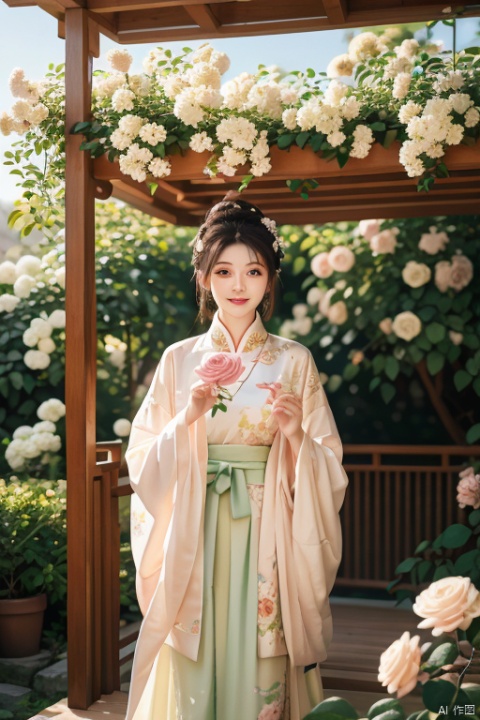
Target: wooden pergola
{"points": [[374, 187]]}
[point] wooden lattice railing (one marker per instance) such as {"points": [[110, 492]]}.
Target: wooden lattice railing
{"points": [[397, 496]]}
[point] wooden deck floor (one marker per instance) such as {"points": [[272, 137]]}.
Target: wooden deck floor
{"points": [[362, 631]]}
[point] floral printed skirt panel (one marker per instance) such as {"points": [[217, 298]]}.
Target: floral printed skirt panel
{"points": [[229, 680]]}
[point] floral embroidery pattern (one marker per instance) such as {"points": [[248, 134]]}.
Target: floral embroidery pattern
{"points": [[194, 628], [313, 384], [269, 615], [255, 493], [290, 386], [138, 523], [274, 701], [219, 340], [256, 433], [270, 356], [254, 340]]}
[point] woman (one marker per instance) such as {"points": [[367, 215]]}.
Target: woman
{"points": [[235, 528]]}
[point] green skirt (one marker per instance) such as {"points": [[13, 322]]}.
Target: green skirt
{"points": [[229, 681]]}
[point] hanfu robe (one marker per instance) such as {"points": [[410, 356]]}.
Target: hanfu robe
{"points": [[236, 541]]}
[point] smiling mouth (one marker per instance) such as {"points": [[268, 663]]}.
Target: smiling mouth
{"points": [[238, 299]]}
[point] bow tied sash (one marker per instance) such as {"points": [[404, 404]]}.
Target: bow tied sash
{"points": [[232, 475]]}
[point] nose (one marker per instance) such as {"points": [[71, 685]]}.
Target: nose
{"points": [[238, 283]]}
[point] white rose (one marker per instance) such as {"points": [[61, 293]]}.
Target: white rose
{"points": [[8, 272], [57, 319], [299, 310], [443, 272], [46, 345], [364, 46], [460, 102], [455, 337], [400, 665], [30, 338], [448, 604], [36, 360], [60, 277], [122, 427], [23, 286], [320, 265], [28, 265], [119, 59], [416, 274], [117, 358], [341, 258], [461, 272], [123, 99], [340, 66], [338, 313], [384, 242], [472, 117], [433, 241], [41, 327], [23, 431], [369, 228], [289, 118], [30, 448], [44, 426], [302, 326], [8, 303], [406, 325], [52, 410], [314, 296]]}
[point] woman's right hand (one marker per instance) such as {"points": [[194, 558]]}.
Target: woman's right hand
{"points": [[203, 397]]}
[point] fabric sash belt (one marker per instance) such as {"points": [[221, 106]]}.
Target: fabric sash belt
{"points": [[229, 464]]}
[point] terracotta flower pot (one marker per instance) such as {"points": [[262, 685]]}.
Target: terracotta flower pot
{"points": [[21, 623]]}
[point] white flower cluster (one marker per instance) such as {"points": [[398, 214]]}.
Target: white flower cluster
{"points": [[37, 442], [300, 325], [27, 273], [116, 350], [27, 111], [38, 336]]}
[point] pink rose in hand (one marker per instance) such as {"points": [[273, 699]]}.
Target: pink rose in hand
{"points": [[220, 368]]}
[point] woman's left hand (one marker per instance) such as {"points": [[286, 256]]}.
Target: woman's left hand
{"points": [[287, 409]]}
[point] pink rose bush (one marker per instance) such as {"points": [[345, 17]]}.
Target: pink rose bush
{"points": [[220, 369], [407, 288]]}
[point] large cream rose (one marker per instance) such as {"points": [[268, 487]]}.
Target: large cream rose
{"points": [[341, 258], [416, 274], [433, 241], [400, 664], [448, 604], [384, 241], [406, 325]]}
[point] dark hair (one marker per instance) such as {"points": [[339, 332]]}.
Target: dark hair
{"points": [[233, 221]]}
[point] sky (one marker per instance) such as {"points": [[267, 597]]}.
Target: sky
{"points": [[28, 39]]}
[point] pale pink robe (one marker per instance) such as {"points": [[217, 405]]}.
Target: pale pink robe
{"points": [[300, 527]]}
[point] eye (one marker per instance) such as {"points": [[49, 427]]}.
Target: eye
{"points": [[219, 272], [256, 271]]}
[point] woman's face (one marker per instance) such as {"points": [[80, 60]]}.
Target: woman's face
{"points": [[238, 275]]}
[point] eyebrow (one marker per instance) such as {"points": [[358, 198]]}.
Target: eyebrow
{"points": [[222, 262]]}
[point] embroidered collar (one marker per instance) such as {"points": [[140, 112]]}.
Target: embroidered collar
{"points": [[220, 340]]}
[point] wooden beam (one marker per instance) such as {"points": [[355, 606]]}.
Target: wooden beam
{"points": [[80, 371], [336, 10], [203, 16], [102, 6]]}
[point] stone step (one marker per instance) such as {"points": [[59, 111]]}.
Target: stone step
{"points": [[12, 695], [52, 679], [20, 671]]}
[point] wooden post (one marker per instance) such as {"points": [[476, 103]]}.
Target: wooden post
{"points": [[80, 374]]}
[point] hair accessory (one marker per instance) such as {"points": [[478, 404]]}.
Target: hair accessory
{"points": [[271, 226]]}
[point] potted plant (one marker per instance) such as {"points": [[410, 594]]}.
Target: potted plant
{"points": [[32, 560]]}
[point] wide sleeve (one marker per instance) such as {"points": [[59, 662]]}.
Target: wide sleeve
{"points": [[167, 465], [306, 500]]}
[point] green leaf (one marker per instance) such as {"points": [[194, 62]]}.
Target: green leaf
{"points": [[378, 126], [378, 364], [152, 186], [435, 362], [387, 392], [245, 182], [474, 518], [453, 536], [444, 654], [473, 633], [16, 380], [302, 139], [473, 434], [390, 136], [440, 692], [392, 367], [467, 562], [284, 141], [435, 332], [462, 379], [350, 371], [334, 708], [421, 547], [407, 565]]}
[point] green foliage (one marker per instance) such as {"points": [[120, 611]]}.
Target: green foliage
{"points": [[33, 551]]}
